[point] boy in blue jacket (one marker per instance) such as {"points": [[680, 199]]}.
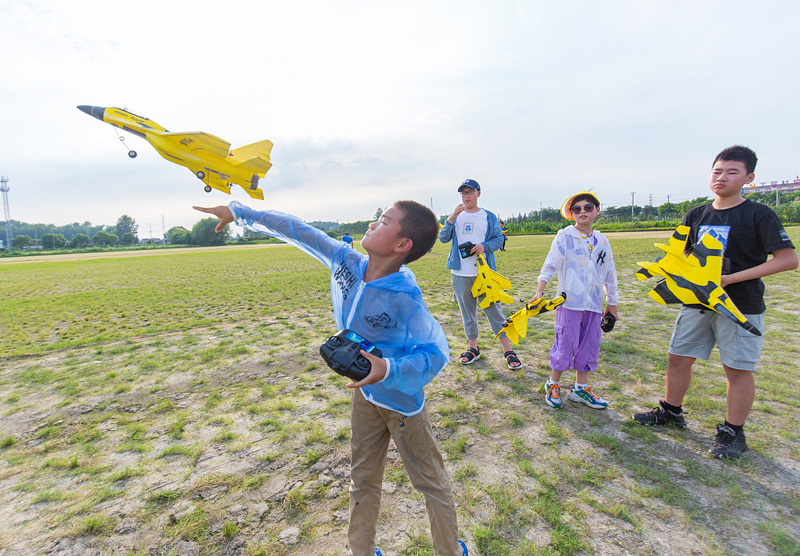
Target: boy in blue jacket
{"points": [[377, 297]]}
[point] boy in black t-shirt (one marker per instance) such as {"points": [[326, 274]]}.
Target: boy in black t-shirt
{"points": [[749, 232]]}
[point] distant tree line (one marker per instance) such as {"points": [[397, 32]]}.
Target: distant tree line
{"points": [[667, 215], [359, 227], [124, 233]]}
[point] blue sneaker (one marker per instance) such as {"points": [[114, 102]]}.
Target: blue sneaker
{"points": [[463, 547], [586, 396], [552, 394]]}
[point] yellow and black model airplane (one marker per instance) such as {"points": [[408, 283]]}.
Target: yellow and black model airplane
{"points": [[208, 157], [692, 278], [516, 326]]}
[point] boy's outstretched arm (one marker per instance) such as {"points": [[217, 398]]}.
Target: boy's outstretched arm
{"points": [[285, 227], [222, 212]]}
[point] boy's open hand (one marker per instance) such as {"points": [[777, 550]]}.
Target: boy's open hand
{"points": [[222, 212], [376, 374]]}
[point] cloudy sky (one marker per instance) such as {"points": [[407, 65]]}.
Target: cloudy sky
{"points": [[368, 102]]}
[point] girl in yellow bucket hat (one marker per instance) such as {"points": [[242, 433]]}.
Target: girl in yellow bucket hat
{"points": [[582, 258]]}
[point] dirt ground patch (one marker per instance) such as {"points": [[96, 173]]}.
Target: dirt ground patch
{"points": [[232, 438]]}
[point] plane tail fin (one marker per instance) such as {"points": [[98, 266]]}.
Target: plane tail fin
{"points": [[254, 157]]}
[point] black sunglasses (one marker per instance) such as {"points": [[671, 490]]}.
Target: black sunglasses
{"points": [[588, 207]]}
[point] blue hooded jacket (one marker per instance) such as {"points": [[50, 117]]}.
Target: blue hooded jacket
{"points": [[491, 243], [389, 312]]}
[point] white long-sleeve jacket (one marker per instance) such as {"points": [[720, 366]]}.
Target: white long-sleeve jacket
{"points": [[584, 273]]}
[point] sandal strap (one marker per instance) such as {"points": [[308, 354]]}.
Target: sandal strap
{"points": [[511, 357]]}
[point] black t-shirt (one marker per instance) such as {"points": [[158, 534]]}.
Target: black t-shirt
{"points": [[748, 232]]}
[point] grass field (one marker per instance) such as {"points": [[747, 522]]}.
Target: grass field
{"points": [[177, 404]]}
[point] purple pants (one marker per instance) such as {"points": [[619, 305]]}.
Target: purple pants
{"points": [[577, 342]]}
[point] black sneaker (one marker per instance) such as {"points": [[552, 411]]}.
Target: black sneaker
{"points": [[728, 443], [660, 416]]}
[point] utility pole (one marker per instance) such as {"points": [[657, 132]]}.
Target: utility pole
{"points": [[4, 188], [632, 201], [540, 211]]}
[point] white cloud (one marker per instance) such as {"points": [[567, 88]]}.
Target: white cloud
{"points": [[389, 100]]}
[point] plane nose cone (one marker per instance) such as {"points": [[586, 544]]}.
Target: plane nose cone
{"points": [[96, 111]]}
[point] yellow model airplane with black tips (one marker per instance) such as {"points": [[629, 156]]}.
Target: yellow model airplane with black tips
{"points": [[516, 326], [208, 157], [692, 278], [490, 283]]}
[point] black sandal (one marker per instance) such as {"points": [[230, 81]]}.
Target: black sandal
{"points": [[511, 357], [471, 355]]}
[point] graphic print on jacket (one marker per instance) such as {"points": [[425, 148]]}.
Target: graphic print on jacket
{"points": [[345, 280], [383, 320]]}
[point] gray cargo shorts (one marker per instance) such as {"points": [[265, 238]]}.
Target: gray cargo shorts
{"points": [[696, 333]]}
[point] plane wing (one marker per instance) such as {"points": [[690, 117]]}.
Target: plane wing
{"points": [[199, 140], [693, 278], [219, 181], [491, 284], [516, 326]]}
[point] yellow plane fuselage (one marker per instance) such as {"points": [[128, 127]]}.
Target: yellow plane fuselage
{"points": [[207, 156]]}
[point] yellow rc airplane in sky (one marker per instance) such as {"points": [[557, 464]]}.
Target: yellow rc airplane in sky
{"points": [[693, 278], [208, 157]]}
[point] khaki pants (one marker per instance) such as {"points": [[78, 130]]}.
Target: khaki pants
{"points": [[372, 426]]}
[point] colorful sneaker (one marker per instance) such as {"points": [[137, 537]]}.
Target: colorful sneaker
{"points": [[552, 394], [463, 547], [728, 443], [586, 396], [660, 416]]}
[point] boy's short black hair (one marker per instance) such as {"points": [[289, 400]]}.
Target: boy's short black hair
{"points": [[741, 154], [585, 197], [420, 225]]}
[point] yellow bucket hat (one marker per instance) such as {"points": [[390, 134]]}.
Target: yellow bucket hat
{"points": [[566, 204]]}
